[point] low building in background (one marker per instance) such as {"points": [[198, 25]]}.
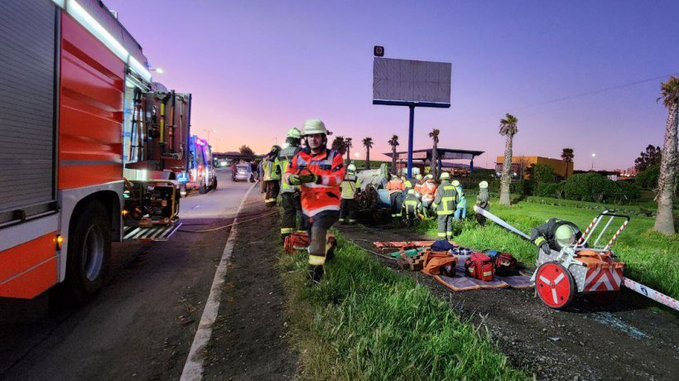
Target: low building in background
{"points": [[522, 166]]}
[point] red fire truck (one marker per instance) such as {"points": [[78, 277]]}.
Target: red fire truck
{"points": [[90, 145]]}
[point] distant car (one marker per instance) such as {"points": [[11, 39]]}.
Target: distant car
{"points": [[243, 173]]}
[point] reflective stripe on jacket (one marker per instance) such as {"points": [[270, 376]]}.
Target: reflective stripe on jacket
{"points": [[349, 186], [324, 195], [271, 170], [411, 205], [446, 199], [284, 159]]}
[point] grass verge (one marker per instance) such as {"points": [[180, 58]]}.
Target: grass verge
{"points": [[651, 258], [366, 322]]}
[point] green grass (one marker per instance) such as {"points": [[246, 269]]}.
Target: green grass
{"points": [[366, 322], [651, 258]]}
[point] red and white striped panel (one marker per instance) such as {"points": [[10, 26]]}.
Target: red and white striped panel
{"points": [[601, 279]]}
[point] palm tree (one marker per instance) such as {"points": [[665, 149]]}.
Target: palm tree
{"points": [[368, 144], [339, 144], [434, 135], [393, 142], [508, 128], [567, 156], [664, 220]]}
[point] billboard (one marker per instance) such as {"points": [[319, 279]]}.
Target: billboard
{"points": [[405, 82]]}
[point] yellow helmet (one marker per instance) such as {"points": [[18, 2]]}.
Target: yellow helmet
{"points": [[456, 183], [445, 176]]}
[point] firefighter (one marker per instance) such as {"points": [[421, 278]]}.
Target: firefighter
{"points": [[407, 184], [290, 194], [461, 210], [319, 171], [482, 201], [554, 235], [418, 184], [351, 186], [412, 207], [445, 204], [272, 176], [428, 192], [395, 186]]}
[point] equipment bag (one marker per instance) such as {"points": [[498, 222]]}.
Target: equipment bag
{"points": [[296, 241], [439, 263], [480, 266], [442, 245], [505, 264]]}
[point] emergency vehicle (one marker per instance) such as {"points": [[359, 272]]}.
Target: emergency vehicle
{"points": [[105, 144], [200, 172]]}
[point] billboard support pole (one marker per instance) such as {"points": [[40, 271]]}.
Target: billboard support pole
{"points": [[410, 140]]}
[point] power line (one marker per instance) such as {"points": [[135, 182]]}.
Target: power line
{"points": [[598, 91]]}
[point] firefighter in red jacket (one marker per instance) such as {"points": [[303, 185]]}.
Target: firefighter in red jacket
{"points": [[320, 172]]}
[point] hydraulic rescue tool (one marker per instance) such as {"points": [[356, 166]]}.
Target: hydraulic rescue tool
{"points": [[586, 267]]}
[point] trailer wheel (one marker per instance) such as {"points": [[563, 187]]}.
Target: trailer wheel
{"points": [[555, 285], [89, 250]]}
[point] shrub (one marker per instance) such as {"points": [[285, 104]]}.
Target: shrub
{"points": [[543, 174], [648, 179]]}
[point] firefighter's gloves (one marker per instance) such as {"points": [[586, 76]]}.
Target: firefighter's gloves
{"points": [[303, 179], [309, 178], [294, 180]]}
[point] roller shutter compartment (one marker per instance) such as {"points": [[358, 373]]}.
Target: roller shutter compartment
{"points": [[27, 108]]}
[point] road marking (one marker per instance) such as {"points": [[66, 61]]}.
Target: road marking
{"points": [[193, 368]]}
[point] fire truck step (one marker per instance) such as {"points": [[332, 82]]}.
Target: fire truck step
{"points": [[155, 233]]}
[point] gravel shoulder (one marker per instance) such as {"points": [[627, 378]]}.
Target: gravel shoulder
{"points": [[250, 336]]}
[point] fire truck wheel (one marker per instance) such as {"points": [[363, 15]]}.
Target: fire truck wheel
{"points": [[214, 183], [555, 285], [89, 251]]}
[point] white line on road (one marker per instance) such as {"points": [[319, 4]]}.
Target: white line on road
{"points": [[193, 368]]}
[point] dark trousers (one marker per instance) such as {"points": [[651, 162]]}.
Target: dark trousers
{"points": [[292, 210], [481, 219], [272, 187], [348, 210], [445, 226], [318, 230], [396, 200]]}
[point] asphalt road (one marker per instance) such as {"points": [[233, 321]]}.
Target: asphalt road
{"points": [[142, 323]]}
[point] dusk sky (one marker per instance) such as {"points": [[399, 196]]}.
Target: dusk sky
{"points": [[578, 74]]}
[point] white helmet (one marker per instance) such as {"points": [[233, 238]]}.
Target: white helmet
{"points": [[430, 176], [313, 127], [411, 191], [351, 168], [445, 176], [565, 235], [483, 184], [418, 177], [456, 183]]}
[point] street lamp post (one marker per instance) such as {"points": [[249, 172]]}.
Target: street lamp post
{"points": [[593, 156]]}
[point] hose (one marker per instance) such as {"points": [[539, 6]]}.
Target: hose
{"points": [[227, 226]]}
